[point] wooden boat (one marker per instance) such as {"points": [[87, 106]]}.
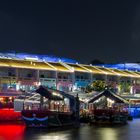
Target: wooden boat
{"points": [[48, 108], [108, 108], [43, 118]]}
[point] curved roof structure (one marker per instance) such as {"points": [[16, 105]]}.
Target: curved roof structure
{"points": [[108, 94], [124, 66], [45, 62], [37, 57]]}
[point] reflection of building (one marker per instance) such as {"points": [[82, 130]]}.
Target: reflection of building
{"points": [[24, 72]]}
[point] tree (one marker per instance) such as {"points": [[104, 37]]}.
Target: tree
{"points": [[97, 61]]}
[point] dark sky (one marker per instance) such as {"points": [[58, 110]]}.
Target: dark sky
{"points": [[82, 30]]}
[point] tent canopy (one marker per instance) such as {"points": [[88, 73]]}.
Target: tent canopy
{"points": [[108, 94], [50, 94]]}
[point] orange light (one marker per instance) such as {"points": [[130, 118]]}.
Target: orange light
{"points": [[1, 99]]}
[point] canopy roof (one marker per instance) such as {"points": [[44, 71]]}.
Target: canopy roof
{"points": [[106, 71], [108, 94], [25, 64], [60, 67], [47, 58], [133, 73], [77, 67], [50, 94], [121, 73], [93, 69], [69, 67], [124, 66]]}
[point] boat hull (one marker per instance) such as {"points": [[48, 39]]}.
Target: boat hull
{"points": [[47, 119]]}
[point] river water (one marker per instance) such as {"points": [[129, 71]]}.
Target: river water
{"points": [[130, 131]]}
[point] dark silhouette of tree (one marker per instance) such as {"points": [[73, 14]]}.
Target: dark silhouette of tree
{"points": [[96, 61]]}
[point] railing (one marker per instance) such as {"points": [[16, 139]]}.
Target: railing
{"points": [[9, 93], [82, 80], [8, 77], [64, 80], [47, 79], [27, 78]]}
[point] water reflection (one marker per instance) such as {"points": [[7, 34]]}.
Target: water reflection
{"points": [[85, 132], [12, 131]]}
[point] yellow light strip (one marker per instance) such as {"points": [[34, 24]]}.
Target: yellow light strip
{"points": [[92, 69], [76, 67], [121, 73], [87, 70], [66, 67], [60, 67], [133, 74], [50, 65], [106, 71], [100, 70]]}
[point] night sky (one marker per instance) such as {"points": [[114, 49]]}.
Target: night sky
{"points": [[82, 30]]}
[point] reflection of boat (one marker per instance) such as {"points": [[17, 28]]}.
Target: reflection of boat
{"points": [[109, 116], [47, 108]]}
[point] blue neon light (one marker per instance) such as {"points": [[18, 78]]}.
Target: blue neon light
{"points": [[48, 58], [125, 66], [134, 112]]}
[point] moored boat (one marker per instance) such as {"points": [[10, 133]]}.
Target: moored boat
{"points": [[108, 108], [48, 108], [43, 118]]}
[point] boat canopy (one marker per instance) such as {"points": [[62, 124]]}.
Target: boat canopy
{"points": [[107, 93]]}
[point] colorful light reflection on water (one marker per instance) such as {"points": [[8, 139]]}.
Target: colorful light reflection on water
{"points": [[12, 131], [129, 131]]}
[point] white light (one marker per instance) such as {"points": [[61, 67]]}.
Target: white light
{"points": [[31, 58], [109, 100], [39, 83], [72, 69], [57, 94]]}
